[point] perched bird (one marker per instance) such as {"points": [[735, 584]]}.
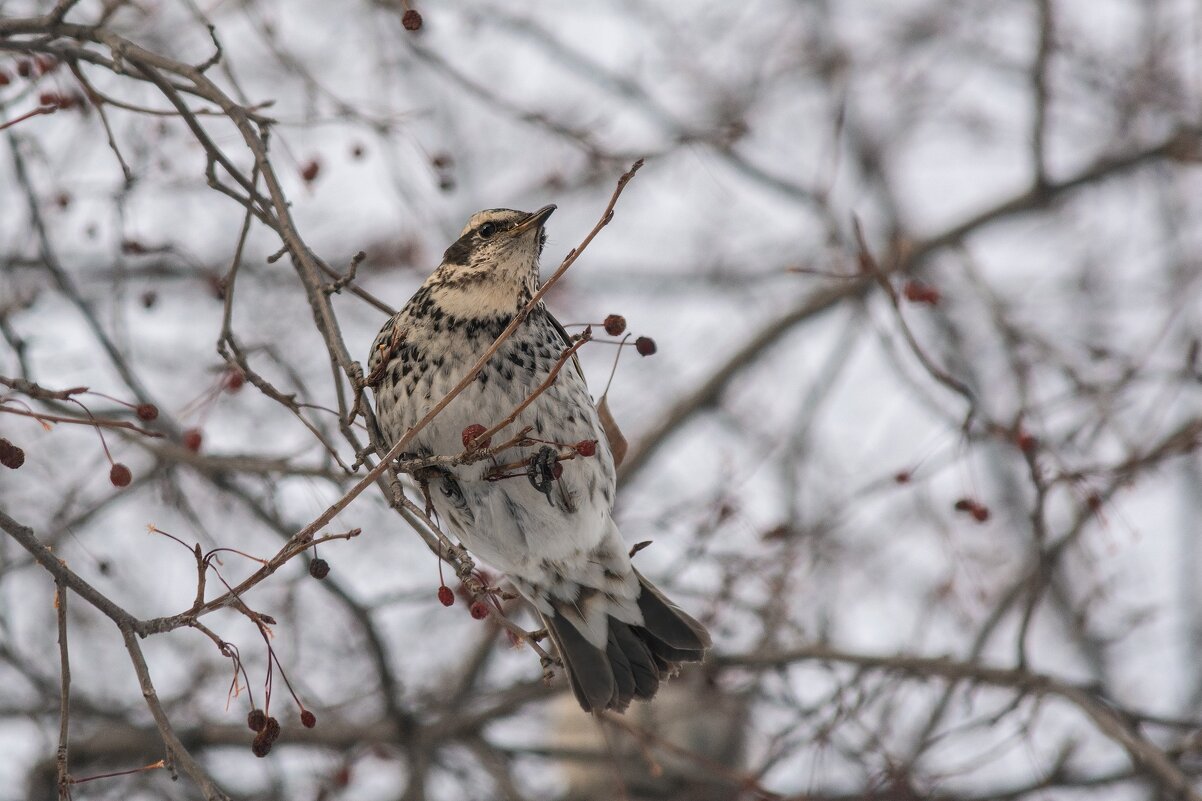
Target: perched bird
{"points": [[553, 535]]}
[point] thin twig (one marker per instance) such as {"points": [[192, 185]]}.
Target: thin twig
{"points": [[94, 422], [64, 715], [539, 390]]}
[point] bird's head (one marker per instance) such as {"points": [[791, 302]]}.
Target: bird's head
{"points": [[493, 265]]}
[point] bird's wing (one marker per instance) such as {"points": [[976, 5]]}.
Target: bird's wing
{"points": [[567, 343]]}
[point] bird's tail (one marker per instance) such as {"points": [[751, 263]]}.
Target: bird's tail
{"points": [[635, 659]]}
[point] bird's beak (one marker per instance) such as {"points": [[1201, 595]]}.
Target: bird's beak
{"points": [[535, 220]]}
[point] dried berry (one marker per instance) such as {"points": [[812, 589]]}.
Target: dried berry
{"points": [[645, 346], [540, 470], [902, 477], [256, 719], [11, 456], [271, 730], [5, 78], [147, 411], [308, 719], [319, 568], [120, 475], [473, 431], [615, 324], [192, 439], [24, 68], [1026, 442], [556, 470], [310, 170], [445, 596], [234, 379], [261, 747], [479, 610], [918, 292], [978, 510], [411, 20], [586, 447]]}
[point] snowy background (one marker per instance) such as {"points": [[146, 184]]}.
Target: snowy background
{"points": [[795, 458]]}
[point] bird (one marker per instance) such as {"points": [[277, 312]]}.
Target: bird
{"points": [[551, 528]]}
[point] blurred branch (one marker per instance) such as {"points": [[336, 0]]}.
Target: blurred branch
{"points": [[1110, 719], [912, 259]]}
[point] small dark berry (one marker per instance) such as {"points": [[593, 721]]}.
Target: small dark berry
{"points": [[149, 298], [902, 477], [918, 292], [965, 504], [1093, 501], [310, 170], [120, 475], [980, 513], [319, 568], [357, 151], [556, 470], [256, 720], [147, 412], [586, 447], [234, 379], [260, 747], [441, 161], [645, 346], [192, 439], [63, 200], [24, 68], [11, 456], [479, 610], [1027, 443], [445, 596], [308, 719], [45, 64], [5, 79], [615, 324], [271, 730], [49, 99], [473, 431], [411, 20]]}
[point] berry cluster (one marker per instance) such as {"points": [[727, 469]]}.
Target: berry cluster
{"points": [[32, 69]]}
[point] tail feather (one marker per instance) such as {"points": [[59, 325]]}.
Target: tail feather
{"points": [[668, 653], [588, 668], [642, 664], [668, 623], [635, 659], [624, 683]]}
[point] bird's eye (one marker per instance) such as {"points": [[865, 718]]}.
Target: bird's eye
{"points": [[487, 230]]}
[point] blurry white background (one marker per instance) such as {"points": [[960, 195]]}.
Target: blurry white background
{"points": [[1026, 177]]}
